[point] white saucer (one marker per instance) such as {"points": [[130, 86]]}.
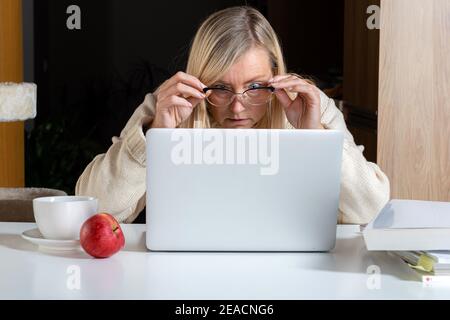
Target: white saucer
{"points": [[35, 236]]}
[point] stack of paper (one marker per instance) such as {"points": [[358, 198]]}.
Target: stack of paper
{"points": [[419, 233], [410, 225], [432, 266]]}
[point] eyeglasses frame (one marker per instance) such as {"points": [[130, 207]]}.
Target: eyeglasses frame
{"points": [[205, 90]]}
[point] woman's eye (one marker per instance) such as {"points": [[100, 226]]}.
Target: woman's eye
{"points": [[255, 85]]}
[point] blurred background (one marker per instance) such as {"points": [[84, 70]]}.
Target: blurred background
{"points": [[384, 62], [91, 80]]}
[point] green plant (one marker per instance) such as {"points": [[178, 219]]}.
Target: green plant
{"points": [[58, 150]]}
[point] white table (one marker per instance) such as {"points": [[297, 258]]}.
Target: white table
{"points": [[135, 273]]}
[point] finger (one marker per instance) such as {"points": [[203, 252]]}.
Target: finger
{"points": [[194, 101], [279, 77], [283, 97], [186, 79], [181, 89], [305, 90], [294, 85], [284, 77], [161, 88], [175, 101], [290, 78]]}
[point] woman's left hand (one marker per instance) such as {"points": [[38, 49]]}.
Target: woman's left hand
{"points": [[304, 111]]}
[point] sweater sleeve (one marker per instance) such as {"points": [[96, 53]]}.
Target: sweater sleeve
{"points": [[365, 188], [117, 177]]}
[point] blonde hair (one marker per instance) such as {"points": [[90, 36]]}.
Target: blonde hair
{"points": [[223, 38]]}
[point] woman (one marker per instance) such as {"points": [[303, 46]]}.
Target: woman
{"points": [[235, 78]]}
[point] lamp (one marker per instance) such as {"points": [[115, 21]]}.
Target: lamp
{"points": [[18, 103]]}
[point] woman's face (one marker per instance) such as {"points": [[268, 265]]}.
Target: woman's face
{"points": [[252, 69]]}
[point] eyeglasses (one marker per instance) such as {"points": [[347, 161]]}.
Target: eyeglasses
{"points": [[222, 97]]}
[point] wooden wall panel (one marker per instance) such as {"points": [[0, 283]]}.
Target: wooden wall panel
{"points": [[12, 166], [414, 98]]}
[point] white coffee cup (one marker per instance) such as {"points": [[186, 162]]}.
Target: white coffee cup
{"points": [[61, 218]]}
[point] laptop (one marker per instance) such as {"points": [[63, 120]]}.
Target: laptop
{"points": [[242, 189]]}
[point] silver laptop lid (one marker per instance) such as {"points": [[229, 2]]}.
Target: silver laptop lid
{"points": [[242, 189]]}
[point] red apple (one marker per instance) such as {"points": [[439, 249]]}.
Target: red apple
{"points": [[101, 236]]}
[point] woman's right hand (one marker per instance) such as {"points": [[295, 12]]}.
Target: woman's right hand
{"points": [[176, 98]]}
